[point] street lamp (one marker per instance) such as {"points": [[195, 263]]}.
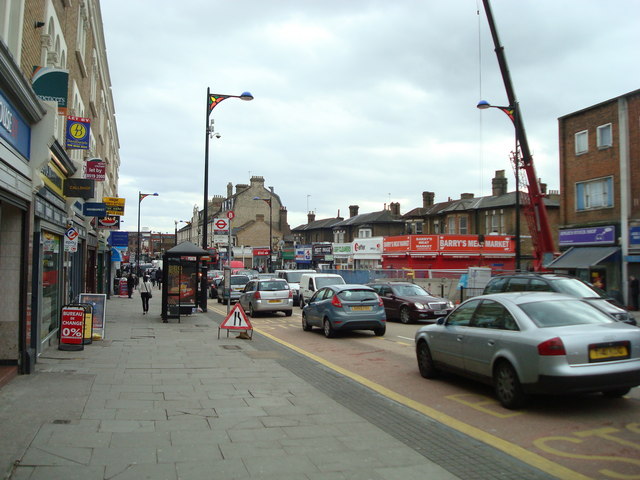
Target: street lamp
{"points": [[212, 101], [141, 196], [268, 202], [176, 231], [512, 113]]}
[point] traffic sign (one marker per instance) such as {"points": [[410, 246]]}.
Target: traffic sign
{"points": [[231, 215], [220, 224], [237, 319]]}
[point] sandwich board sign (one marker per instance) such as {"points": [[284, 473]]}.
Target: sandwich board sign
{"points": [[235, 320]]}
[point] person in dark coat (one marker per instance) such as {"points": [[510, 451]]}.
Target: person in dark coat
{"points": [[634, 291], [159, 277], [131, 282]]}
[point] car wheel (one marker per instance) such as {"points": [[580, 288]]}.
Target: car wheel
{"points": [[507, 386], [252, 312], [301, 302], [616, 393], [379, 331], [329, 332], [405, 316], [288, 313], [219, 300], [305, 326], [425, 361]]}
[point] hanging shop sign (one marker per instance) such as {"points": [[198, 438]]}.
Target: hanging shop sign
{"points": [[94, 209], [115, 205], [78, 129], [51, 85], [95, 169], [79, 187], [587, 236], [109, 223], [119, 239]]}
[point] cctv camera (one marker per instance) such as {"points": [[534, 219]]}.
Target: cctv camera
{"points": [[218, 135]]}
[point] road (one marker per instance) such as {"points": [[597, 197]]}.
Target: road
{"points": [[587, 437]]}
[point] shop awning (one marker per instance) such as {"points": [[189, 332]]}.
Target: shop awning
{"points": [[583, 257]]}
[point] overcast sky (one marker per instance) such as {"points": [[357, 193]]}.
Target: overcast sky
{"points": [[358, 102]]}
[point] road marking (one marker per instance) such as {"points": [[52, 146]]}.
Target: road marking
{"points": [[516, 451], [406, 338], [478, 402]]}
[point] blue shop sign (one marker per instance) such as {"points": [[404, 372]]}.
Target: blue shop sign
{"points": [[634, 236], [588, 236], [13, 128], [94, 209], [119, 239]]}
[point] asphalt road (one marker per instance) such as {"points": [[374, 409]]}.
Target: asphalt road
{"points": [[586, 437]]}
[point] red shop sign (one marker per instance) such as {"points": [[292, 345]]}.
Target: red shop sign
{"points": [[72, 325]]}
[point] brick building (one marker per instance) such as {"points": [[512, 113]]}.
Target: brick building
{"points": [[600, 180]]}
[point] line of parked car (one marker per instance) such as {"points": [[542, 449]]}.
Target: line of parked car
{"points": [[527, 334]]}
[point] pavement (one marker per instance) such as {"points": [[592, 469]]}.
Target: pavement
{"points": [[173, 401]]}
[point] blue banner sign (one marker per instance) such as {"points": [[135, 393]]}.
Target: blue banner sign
{"points": [[634, 236], [94, 209], [119, 239], [13, 128], [588, 236]]}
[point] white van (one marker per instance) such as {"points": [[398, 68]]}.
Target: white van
{"points": [[293, 279], [310, 282]]}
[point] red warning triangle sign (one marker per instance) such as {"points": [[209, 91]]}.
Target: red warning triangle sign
{"points": [[237, 319]]}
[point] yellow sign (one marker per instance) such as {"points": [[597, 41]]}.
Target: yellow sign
{"points": [[115, 205]]}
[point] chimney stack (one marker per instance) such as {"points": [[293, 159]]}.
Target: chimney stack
{"points": [[311, 217], [229, 189], [499, 184], [394, 207], [353, 210], [427, 199], [466, 196]]}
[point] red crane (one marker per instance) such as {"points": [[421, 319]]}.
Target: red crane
{"points": [[533, 203]]}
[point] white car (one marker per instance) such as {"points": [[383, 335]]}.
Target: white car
{"points": [[310, 282]]}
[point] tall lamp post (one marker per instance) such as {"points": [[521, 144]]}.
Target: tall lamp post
{"points": [[268, 202], [212, 101], [141, 196], [511, 112]]}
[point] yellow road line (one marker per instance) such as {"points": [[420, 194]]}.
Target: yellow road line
{"points": [[509, 448]]}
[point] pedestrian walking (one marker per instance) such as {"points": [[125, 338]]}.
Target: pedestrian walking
{"points": [[131, 282], [145, 293], [159, 277], [634, 291]]}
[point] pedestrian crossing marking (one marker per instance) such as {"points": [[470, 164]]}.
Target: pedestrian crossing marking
{"points": [[236, 320]]}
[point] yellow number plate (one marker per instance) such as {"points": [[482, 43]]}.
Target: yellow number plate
{"points": [[602, 353], [274, 301], [361, 309]]}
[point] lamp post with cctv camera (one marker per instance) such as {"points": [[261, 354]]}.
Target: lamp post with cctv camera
{"points": [[212, 101]]}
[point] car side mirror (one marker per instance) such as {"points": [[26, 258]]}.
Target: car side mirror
{"points": [[441, 321]]}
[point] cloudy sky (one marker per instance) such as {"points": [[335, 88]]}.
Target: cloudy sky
{"points": [[359, 102]]}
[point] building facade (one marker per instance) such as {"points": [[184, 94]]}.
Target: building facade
{"points": [[600, 209], [60, 144]]}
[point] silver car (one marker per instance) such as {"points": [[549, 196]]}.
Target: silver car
{"points": [[533, 343], [267, 295]]}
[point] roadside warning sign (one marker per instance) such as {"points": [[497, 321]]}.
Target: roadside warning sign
{"points": [[236, 320]]}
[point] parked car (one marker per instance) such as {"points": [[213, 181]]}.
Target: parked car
{"points": [[213, 286], [554, 282], [293, 279], [344, 307], [533, 343], [264, 276], [310, 282], [410, 303], [267, 295], [237, 283]]}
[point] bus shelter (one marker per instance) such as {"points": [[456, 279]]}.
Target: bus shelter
{"points": [[181, 282]]}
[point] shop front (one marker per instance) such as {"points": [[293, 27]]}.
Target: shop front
{"points": [[449, 252], [591, 254], [304, 256], [342, 256], [367, 253]]}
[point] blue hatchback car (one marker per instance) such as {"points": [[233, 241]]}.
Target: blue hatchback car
{"points": [[343, 308]]}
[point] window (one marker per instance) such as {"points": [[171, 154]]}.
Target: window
{"points": [[364, 233], [463, 225], [604, 136], [582, 142], [451, 225], [594, 194], [418, 227], [462, 316]]}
